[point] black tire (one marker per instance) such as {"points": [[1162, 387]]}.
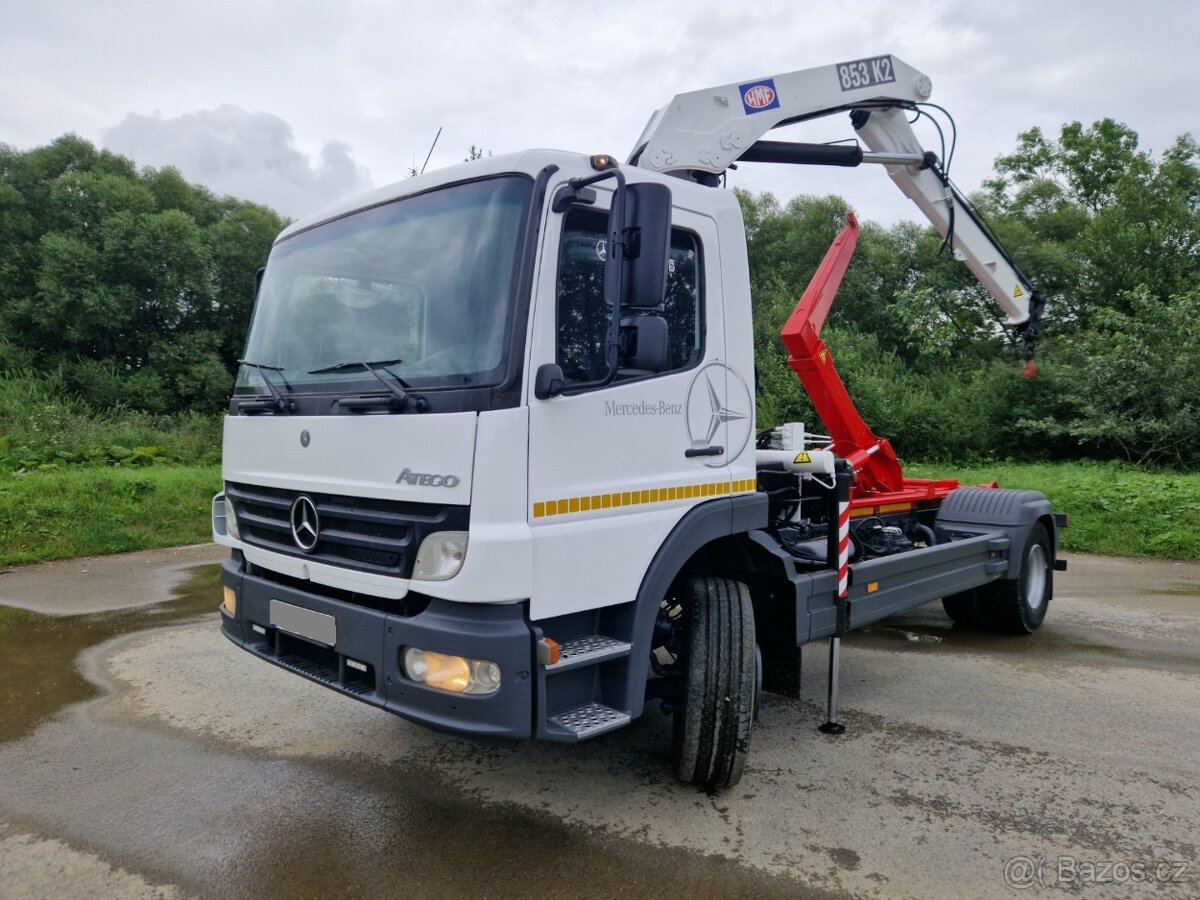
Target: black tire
{"points": [[963, 608], [1018, 606], [713, 727]]}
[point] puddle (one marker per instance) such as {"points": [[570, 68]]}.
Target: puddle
{"points": [[889, 632], [219, 818], [38, 670], [213, 819], [219, 823]]}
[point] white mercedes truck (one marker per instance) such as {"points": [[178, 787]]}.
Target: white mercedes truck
{"points": [[491, 461]]}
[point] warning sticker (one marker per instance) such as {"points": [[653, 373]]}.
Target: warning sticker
{"points": [[802, 457], [1017, 292]]}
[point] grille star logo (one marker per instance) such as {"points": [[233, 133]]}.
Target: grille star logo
{"points": [[306, 524]]}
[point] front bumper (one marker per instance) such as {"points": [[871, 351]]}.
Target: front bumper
{"points": [[498, 632]]}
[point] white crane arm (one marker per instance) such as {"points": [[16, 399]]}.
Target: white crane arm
{"points": [[701, 133], [709, 129]]}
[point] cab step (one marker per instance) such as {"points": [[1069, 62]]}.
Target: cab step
{"points": [[591, 719], [588, 650]]}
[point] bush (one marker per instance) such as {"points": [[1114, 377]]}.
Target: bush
{"points": [[948, 413], [44, 426], [1131, 383]]}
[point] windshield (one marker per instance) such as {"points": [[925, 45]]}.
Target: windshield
{"points": [[423, 287]]}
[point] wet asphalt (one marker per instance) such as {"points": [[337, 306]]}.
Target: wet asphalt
{"points": [[142, 755]]}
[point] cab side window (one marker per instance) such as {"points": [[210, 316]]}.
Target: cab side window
{"points": [[583, 316]]}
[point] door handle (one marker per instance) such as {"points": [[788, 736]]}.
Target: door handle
{"points": [[714, 450]]}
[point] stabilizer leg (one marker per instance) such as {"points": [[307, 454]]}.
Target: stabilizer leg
{"points": [[833, 726]]}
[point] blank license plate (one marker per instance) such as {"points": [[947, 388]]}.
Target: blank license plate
{"points": [[304, 622]]}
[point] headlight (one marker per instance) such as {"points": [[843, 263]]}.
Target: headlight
{"points": [[456, 674], [441, 556]]}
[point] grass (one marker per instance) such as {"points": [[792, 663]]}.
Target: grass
{"points": [[87, 511], [1116, 509], [79, 482]]}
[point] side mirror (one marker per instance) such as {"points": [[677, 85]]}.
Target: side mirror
{"points": [[648, 243], [549, 381], [643, 346]]}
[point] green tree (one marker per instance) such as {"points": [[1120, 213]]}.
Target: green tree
{"points": [[1132, 385], [136, 284]]}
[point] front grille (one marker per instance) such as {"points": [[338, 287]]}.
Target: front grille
{"points": [[361, 533]]}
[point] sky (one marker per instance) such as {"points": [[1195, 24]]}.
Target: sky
{"points": [[301, 103]]}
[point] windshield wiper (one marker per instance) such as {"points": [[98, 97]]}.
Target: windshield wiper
{"points": [[400, 390], [279, 403]]}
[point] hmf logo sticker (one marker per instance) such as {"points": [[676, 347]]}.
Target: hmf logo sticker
{"points": [[759, 96]]}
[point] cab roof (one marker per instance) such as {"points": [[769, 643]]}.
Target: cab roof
{"points": [[528, 162]]}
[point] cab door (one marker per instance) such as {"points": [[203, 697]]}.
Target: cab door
{"points": [[613, 469]]}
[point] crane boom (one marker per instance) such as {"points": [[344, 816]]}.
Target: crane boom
{"points": [[700, 134]]}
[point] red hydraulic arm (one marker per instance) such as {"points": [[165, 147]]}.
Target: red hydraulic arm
{"points": [[878, 478]]}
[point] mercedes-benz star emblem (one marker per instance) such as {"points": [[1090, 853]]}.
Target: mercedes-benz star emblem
{"points": [[718, 397], [720, 412], [306, 524]]}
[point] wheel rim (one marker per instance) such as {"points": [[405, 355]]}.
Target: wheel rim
{"points": [[1035, 577]]}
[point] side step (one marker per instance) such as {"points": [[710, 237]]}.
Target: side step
{"points": [[591, 719], [588, 650], [593, 657]]}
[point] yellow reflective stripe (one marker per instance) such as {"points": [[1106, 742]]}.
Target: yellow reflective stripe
{"points": [[545, 508], [880, 510]]}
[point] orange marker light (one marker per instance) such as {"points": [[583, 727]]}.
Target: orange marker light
{"points": [[548, 651]]}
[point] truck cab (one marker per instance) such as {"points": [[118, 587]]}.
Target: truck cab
{"points": [[413, 497]]}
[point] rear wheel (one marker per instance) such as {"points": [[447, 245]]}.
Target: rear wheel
{"points": [[1019, 606], [715, 720], [962, 608]]}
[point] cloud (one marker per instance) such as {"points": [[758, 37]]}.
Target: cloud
{"points": [[247, 154]]}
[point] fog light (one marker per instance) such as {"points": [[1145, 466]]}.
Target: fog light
{"points": [[456, 674], [230, 600], [441, 556]]}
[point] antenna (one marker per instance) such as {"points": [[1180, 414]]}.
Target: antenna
{"points": [[431, 146]]}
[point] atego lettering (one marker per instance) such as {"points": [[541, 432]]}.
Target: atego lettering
{"points": [[427, 479]]}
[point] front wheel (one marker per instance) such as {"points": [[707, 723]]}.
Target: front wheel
{"points": [[713, 726]]}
